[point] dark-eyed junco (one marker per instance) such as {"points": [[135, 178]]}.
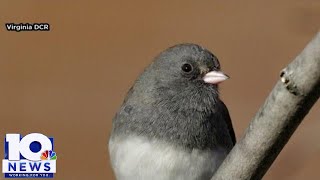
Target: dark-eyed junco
{"points": [[172, 124]]}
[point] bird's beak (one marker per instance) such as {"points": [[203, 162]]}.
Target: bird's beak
{"points": [[215, 77]]}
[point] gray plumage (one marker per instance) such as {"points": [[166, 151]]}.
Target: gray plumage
{"points": [[172, 125]]}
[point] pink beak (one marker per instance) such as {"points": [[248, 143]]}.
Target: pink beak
{"points": [[215, 77]]}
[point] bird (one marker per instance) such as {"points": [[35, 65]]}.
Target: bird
{"points": [[172, 124]]}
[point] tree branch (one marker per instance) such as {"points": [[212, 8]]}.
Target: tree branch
{"points": [[288, 103]]}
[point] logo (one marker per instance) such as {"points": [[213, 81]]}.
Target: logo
{"points": [[31, 156]]}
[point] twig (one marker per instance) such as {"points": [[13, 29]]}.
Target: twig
{"points": [[288, 103]]}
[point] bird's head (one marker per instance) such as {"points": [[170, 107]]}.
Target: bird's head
{"points": [[187, 67]]}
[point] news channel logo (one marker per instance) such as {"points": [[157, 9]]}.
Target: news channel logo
{"points": [[31, 156]]}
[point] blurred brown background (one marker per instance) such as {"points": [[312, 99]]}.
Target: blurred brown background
{"points": [[69, 82]]}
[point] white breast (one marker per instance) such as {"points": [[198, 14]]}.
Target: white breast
{"points": [[137, 158]]}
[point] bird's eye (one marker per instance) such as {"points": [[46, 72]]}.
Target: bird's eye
{"points": [[186, 67]]}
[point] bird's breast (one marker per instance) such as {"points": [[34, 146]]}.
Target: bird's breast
{"points": [[135, 157]]}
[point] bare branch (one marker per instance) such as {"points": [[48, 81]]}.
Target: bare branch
{"points": [[288, 103]]}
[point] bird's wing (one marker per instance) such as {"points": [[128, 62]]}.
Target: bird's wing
{"points": [[228, 122]]}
